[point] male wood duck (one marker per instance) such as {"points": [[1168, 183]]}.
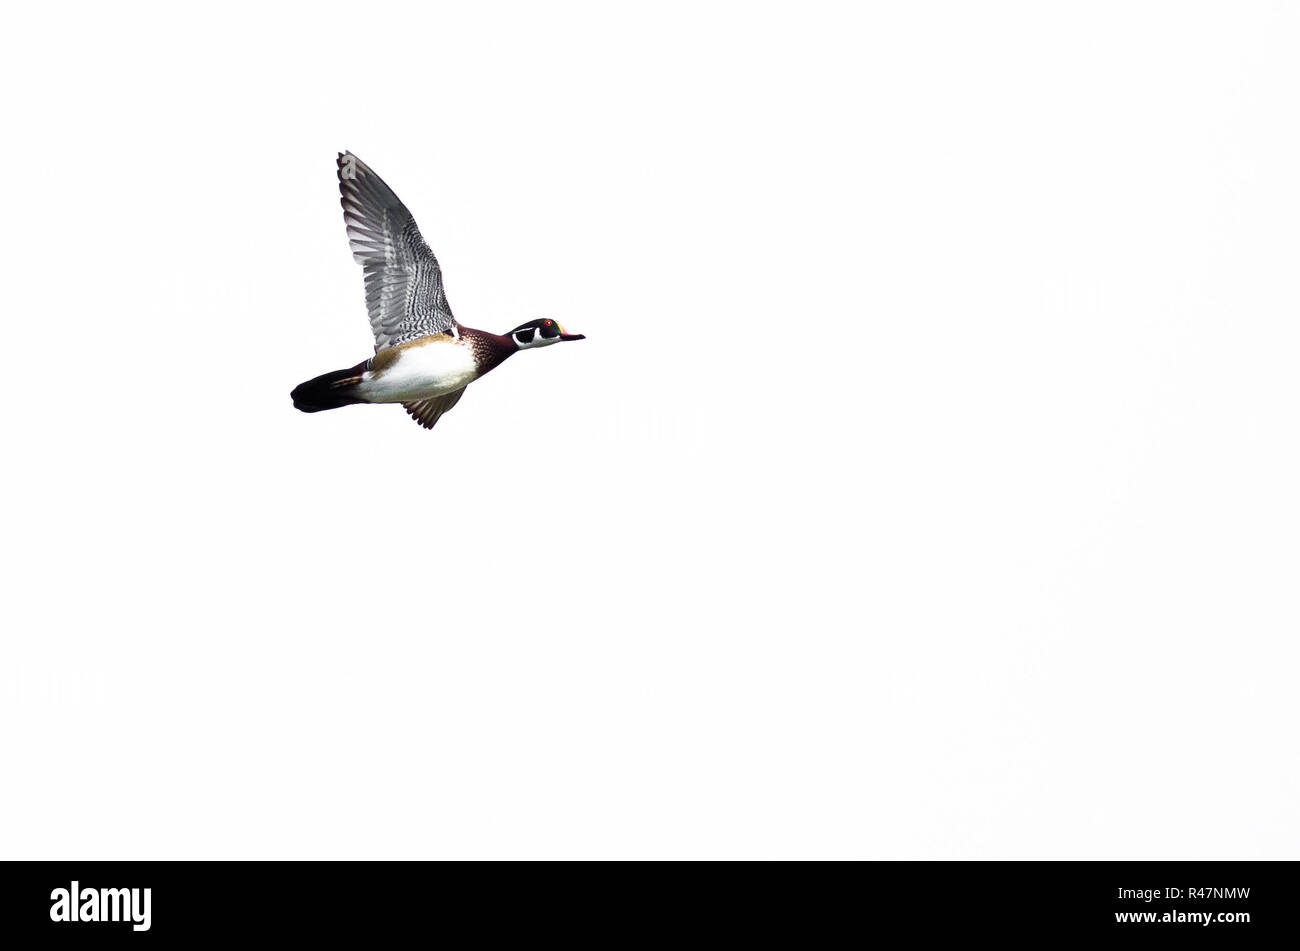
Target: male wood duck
{"points": [[423, 358]]}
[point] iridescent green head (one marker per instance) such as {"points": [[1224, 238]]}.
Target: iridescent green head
{"points": [[540, 333]]}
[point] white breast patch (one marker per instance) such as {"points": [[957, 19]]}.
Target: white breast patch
{"points": [[432, 369]]}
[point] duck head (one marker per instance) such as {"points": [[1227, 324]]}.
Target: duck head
{"points": [[540, 333]]}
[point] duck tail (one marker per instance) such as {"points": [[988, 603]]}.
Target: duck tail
{"points": [[329, 390]]}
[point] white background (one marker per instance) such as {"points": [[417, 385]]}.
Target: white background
{"points": [[926, 486]]}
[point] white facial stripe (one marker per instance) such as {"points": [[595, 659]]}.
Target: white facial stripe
{"points": [[537, 341]]}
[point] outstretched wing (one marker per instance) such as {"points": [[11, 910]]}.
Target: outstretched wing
{"points": [[427, 412], [403, 281]]}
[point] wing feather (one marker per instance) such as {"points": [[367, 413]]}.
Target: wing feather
{"points": [[404, 294], [427, 412]]}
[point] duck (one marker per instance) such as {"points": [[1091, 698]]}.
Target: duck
{"points": [[424, 359]]}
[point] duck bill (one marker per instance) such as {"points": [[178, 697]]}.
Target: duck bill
{"points": [[573, 336]]}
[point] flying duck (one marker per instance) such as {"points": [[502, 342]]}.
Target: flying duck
{"points": [[423, 358]]}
